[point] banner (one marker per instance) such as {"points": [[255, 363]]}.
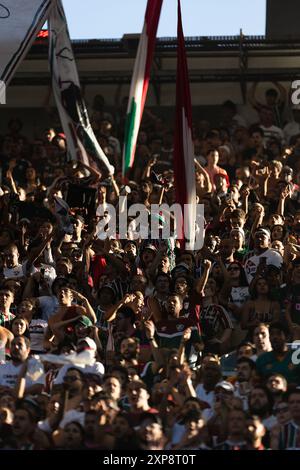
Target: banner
{"points": [[81, 140], [140, 82], [20, 22]]}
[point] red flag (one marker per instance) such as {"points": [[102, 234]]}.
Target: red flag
{"points": [[184, 168]]}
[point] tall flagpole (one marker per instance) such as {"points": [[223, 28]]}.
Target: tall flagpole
{"points": [[184, 167]]}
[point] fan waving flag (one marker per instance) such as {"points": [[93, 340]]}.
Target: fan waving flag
{"points": [[81, 140], [140, 82], [20, 22], [184, 167]]}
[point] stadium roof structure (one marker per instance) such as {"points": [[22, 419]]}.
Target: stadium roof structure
{"points": [[239, 59]]}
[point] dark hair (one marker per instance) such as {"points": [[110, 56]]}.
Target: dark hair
{"points": [[27, 340], [32, 410], [77, 370], [278, 325], [257, 130], [3, 288], [161, 273], [212, 149], [253, 286], [65, 259], [79, 427], [284, 231], [290, 391], [249, 361], [192, 415], [108, 287], [243, 279], [192, 399], [189, 280], [60, 282], [267, 393], [111, 375], [26, 334], [239, 213], [186, 252]]}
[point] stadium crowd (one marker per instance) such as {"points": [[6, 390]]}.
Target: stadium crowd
{"points": [[138, 344]]}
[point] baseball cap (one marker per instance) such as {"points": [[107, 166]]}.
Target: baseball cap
{"points": [[149, 246], [263, 231], [31, 405], [180, 268], [225, 386], [85, 321], [287, 169], [90, 342]]}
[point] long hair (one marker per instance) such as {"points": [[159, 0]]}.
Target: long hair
{"points": [[253, 287], [243, 279]]}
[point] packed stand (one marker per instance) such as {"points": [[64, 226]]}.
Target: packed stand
{"points": [[112, 343]]}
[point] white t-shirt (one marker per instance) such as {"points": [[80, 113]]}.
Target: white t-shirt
{"points": [[290, 129], [242, 396], [49, 273], [208, 397], [37, 328], [17, 272], [273, 257], [97, 369], [9, 374], [272, 132], [239, 295]]}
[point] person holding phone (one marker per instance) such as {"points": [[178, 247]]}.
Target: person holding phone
{"points": [[262, 255]]}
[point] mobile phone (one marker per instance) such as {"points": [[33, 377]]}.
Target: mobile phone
{"points": [[263, 261]]}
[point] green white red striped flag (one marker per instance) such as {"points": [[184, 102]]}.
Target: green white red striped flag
{"points": [[140, 81], [184, 167]]}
